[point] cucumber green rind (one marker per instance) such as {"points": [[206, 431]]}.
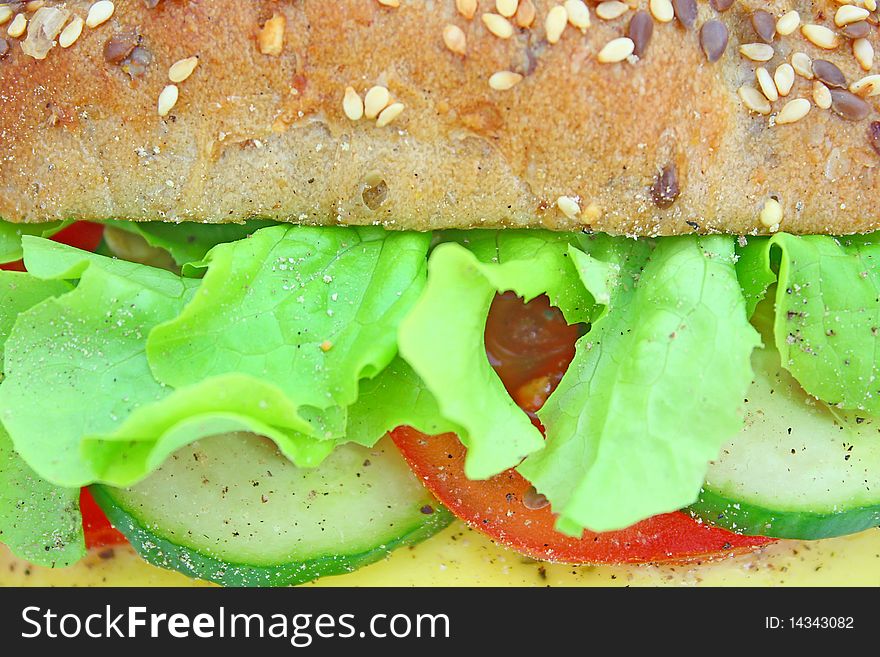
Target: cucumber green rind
{"points": [[753, 519], [163, 553]]}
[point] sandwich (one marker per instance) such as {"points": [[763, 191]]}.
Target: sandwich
{"points": [[289, 285]]}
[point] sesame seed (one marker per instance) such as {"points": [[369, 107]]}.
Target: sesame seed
{"points": [[783, 77], [375, 101], [793, 111], [766, 84], [847, 14], [764, 25], [99, 13], [863, 51], [771, 214], [454, 39], [388, 114], [640, 30], [713, 39], [754, 100], [271, 37], [389, 3], [578, 14], [5, 13], [466, 8], [352, 104], [120, 46], [554, 24], [616, 50], [569, 206], [525, 14], [71, 33], [168, 99], [821, 95], [17, 26], [662, 10], [857, 30], [819, 35], [592, 212], [849, 106], [665, 189], [757, 52], [685, 11], [874, 136], [829, 73], [870, 5], [788, 22], [182, 69], [867, 86], [498, 25], [504, 80], [611, 9], [34, 5], [802, 65], [506, 8]]}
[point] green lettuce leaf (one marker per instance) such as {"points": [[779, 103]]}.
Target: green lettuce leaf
{"points": [[11, 235], [394, 398], [552, 249], [443, 336], [39, 521], [237, 402], [222, 404], [189, 242], [754, 271], [313, 310], [18, 292], [50, 260], [110, 419], [75, 364], [827, 324], [107, 418], [655, 386]]}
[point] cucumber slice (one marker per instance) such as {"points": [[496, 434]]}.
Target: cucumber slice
{"points": [[799, 469], [231, 509]]}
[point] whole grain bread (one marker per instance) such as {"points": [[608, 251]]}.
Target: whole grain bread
{"points": [[657, 144]]}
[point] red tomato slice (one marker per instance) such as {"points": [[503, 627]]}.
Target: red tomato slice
{"points": [[98, 530], [495, 507], [83, 235]]}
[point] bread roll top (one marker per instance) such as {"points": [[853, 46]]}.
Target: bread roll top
{"points": [[618, 117]]}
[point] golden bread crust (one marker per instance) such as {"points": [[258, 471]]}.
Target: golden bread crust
{"points": [[265, 135]]}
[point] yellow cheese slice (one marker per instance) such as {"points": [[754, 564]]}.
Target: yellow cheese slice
{"points": [[461, 557]]}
